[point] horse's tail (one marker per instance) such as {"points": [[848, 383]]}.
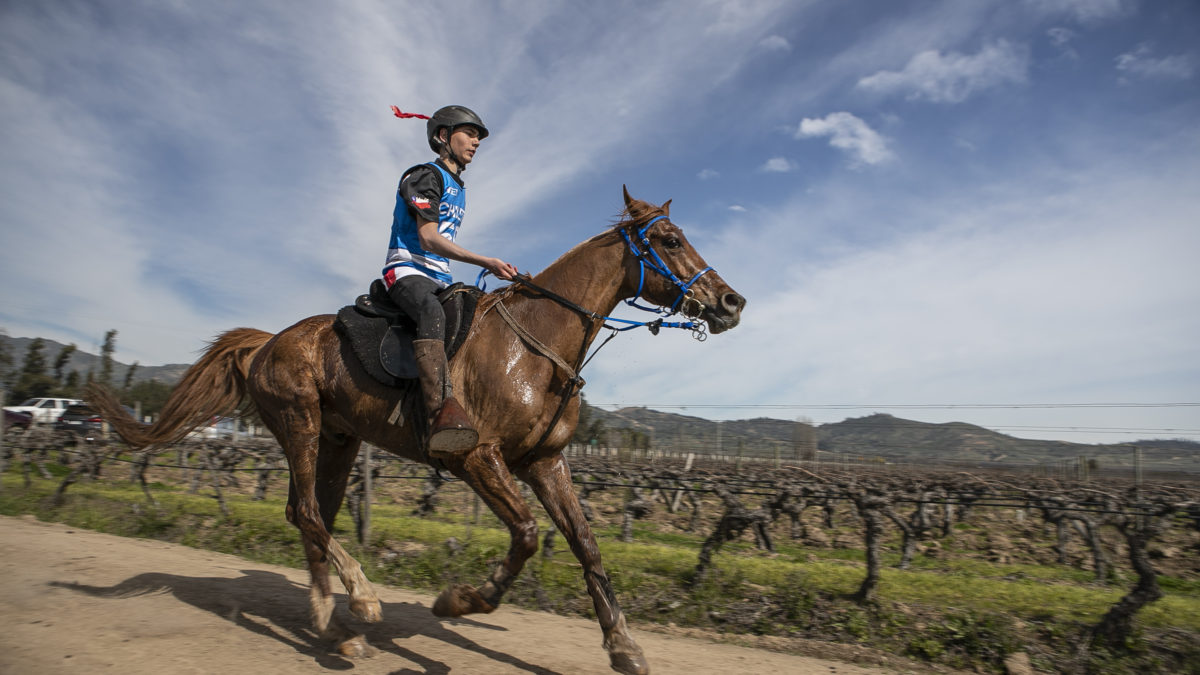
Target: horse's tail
{"points": [[213, 386]]}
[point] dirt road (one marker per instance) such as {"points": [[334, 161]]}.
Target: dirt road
{"points": [[75, 601]]}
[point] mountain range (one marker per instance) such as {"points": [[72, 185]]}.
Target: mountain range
{"points": [[83, 362], [879, 438]]}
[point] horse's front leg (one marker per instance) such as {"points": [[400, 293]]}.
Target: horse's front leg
{"points": [[484, 470], [550, 479]]}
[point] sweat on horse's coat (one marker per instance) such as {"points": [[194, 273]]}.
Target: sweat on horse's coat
{"points": [[313, 394]]}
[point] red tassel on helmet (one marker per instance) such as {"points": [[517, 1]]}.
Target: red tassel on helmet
{"points": [[403, 115]]}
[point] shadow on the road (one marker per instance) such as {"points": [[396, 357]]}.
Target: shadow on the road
{"points": [[281, 608]]}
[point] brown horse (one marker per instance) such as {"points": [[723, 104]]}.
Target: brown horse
{"points": [[513, 375]]}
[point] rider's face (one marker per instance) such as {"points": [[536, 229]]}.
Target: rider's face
{"points": [[464, 142]]}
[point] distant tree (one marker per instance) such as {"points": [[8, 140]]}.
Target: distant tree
{"points": [[60, 363], [804, 439], [638, 439], [106, 357], [6, 360], [33, 380], [590, 427], [71, 387], [129, 376], [643, 441], [152, 394]]}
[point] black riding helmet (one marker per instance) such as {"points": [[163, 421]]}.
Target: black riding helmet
{"points": [[450, 117]]}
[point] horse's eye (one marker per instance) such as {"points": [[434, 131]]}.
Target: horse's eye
{"points": [[673, 242]]}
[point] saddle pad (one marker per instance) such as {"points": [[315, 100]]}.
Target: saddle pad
{"points": [[369, 337], [385, 350]]}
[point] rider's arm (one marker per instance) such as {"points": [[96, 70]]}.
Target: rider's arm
{"points": [[427, 232]]}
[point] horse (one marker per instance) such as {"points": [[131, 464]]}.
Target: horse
{"points": [[512, 374]]}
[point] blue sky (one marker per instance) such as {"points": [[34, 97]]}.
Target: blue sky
{"points": [[927, 204]]}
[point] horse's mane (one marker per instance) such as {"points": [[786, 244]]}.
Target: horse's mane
{"points": [[635, 214], [638, 212]]}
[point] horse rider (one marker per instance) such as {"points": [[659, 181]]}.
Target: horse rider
{"points": [[430, 205]]}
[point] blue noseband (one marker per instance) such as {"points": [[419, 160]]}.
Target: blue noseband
{"points": [[648, 257]]}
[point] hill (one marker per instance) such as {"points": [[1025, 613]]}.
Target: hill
{"points": [[84, 362], [877, 437]]}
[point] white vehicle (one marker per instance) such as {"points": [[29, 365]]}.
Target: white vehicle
{"points": [[44, 410], [219, 427]]}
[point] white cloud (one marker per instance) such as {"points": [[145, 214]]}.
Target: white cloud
{"points": [[775, 43], [1083, 10], [777, 165], [1061, 39], [737, 208], [953, 77], [851, 134], [707, 174], [1059, 36], [1141, 63]]}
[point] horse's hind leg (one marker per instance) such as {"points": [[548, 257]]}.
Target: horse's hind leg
{"points": [[335, 460], [550, 479], [306, 456], [484, 470]]}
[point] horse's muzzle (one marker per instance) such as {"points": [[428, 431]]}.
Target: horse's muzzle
{"points": [[726, 314]]}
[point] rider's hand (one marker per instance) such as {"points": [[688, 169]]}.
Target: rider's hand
{"points": [[501, 269]]}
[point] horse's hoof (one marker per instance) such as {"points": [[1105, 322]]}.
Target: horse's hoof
{"points": [[459, 600], [629, 664], [356, 648], [367, 610]]}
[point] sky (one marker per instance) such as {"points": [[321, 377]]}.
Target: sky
{"points": [[983, 211]]}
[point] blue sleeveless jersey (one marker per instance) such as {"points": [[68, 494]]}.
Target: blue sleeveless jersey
{"points": [[405, 255]]}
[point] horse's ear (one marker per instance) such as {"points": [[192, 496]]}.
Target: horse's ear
{"points": [[666, 207], [628, 199]]}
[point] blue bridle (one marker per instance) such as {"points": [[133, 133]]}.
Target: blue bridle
{"points": [[648, 257]]}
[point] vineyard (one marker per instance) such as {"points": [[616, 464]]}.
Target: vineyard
{"points": [[948, 568]]}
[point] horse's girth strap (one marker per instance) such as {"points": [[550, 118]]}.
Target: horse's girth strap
{"points": [[536, 344]]}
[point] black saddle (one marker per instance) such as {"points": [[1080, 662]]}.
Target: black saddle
{"points": [[381, 334]]}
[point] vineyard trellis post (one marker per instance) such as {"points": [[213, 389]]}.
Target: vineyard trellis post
{"points": [[1137, 470], [364, 534], [215, 478], [3, 445], [5, 451]]}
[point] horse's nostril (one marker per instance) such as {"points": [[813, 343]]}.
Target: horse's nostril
{"points": [[733, 302]]}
